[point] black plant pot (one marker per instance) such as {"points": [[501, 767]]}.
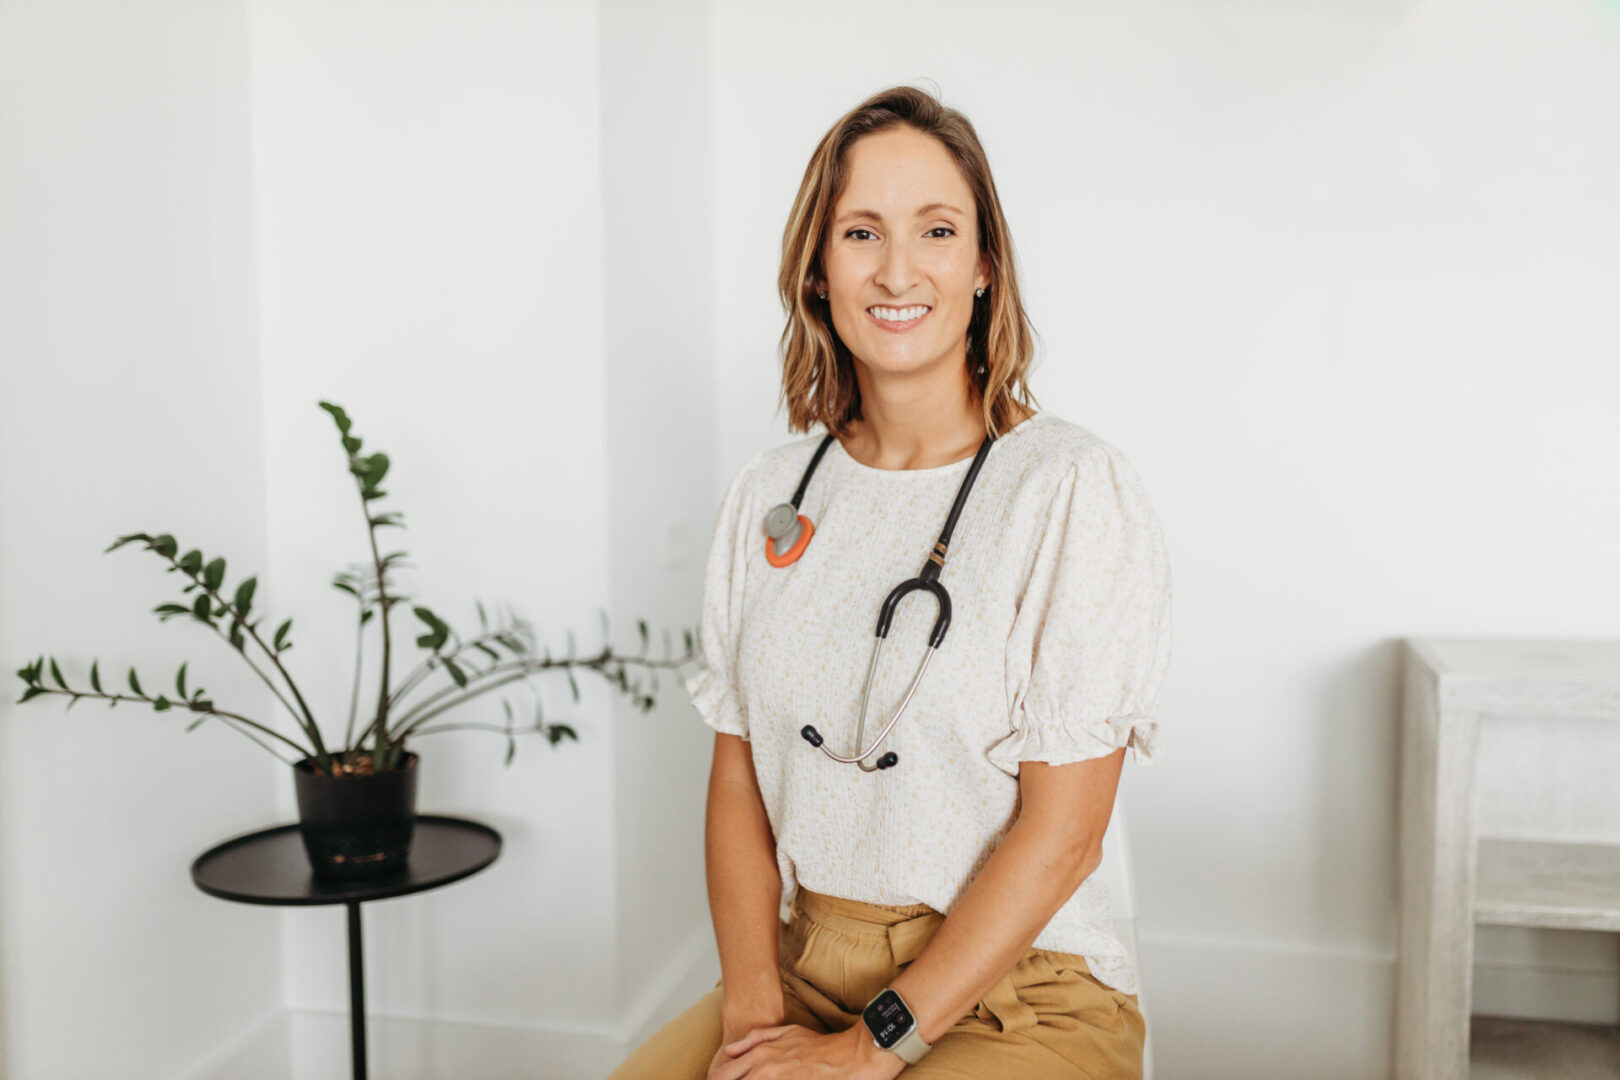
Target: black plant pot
{"points": [[360, 825]]}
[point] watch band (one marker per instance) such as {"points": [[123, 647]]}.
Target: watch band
{"points": [[909, 1046]]}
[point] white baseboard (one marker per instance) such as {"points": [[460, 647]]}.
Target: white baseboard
{"points": [[1256, 1011], [314, 1045]]}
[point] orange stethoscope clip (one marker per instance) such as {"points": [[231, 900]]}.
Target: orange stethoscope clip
{"points": [[791, 555]]}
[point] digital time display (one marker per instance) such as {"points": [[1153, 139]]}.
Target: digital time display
{"points": [[888, 1019]]}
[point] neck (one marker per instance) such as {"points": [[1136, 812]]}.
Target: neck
{"points": [[916, 427]]}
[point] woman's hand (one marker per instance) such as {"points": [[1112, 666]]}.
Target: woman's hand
{"points": [[801, 1054]]}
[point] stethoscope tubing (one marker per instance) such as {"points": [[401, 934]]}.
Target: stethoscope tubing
{"points": [[927, 580]]}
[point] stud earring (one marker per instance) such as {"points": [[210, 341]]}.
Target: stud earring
{"points": [[978, 292], [822, 295]]}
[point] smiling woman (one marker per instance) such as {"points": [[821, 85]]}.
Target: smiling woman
{"points": [[938, 914]]}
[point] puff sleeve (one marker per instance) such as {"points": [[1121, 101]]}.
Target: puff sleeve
{"points": [[713, 687], [1090, 643]]}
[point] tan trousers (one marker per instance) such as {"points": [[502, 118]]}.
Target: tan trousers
{"points": [[1048, 1017]]}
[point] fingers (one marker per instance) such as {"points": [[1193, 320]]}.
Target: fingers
{"points": [[754, 1038]]}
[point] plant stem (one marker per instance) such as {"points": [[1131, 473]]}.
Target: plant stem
{"points": [[381, 722], [484, 727], [405, 730], [425, 668], [181, 704], [308, 723], [354, 694]]}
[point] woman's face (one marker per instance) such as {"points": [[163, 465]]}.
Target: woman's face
{"points": [[902, 256]]}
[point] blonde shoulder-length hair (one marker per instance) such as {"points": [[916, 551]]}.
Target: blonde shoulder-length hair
{"points": [[818, 371]]}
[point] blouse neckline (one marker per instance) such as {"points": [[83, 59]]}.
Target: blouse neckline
{"points": [[959, 465]]}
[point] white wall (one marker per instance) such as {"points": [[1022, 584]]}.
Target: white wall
{"points": [[429, 220], [663, 422], [129, 402], [1339, 278]]}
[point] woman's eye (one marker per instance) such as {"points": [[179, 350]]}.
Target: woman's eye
{"points": [[942, 228], [852, 232]]}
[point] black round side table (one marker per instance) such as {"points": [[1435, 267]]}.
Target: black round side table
{"points": [[271, 867]]}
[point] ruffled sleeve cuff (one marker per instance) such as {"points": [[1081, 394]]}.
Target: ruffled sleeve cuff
{"points": [[1061, 740], [716, 702]]}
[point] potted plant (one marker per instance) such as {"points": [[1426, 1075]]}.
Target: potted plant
{"points": [[357, 803]]}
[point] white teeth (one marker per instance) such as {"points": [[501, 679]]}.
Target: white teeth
{"points": [[899, 314]]}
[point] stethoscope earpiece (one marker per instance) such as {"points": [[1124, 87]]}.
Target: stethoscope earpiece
{"points": [[813, 737]]}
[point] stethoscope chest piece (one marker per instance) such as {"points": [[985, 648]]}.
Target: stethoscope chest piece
{"points": [[788, 532]]}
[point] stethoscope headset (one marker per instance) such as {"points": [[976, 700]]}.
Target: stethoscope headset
{"points": [[788, 533]]}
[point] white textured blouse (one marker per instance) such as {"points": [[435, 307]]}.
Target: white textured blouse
{"points": [[1057, 646]]}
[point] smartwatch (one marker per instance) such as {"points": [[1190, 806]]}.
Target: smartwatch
{"points": [[893, 1027]]}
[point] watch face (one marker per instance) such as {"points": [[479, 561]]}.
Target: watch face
{"points": [[888, 1019]]}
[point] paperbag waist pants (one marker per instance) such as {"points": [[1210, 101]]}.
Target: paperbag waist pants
{"points": [[1048, 1017]]}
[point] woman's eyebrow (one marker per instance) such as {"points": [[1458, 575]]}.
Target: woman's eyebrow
{"points": [[921, 212]]}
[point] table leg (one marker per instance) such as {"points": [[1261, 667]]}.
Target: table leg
{"points": [[357, 993]]}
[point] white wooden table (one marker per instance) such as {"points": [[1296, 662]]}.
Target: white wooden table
{"points": [[1453, 875]]}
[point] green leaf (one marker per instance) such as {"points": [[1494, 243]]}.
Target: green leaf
{"points": [[195, 724], [244, 595], [281, 632], [31, 692], [74, 700], [165, 545], [236, 636], [507, 705], [135, 685], [351, 444], [201, 608], [556, 731], [95, 676], [164, 610], [641, 625], [180, 680], [161, 703], [214, 573], [511, 749], [493, 655], [572, 684], [483, 620], [56, 673], [346, 587], [191, 561], [122, 540], [455, 671], [340, 417], [440, 629]]}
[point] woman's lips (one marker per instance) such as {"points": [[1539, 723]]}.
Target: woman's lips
{"points": [[898, 327]]}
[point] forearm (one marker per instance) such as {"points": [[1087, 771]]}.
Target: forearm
{"points": [[1028, 877], [745, 892]]}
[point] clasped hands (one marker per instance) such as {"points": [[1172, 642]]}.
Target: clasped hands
{"points": [[795, 1052]]}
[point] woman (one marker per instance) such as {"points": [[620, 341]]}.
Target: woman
{"points": [[956, 875]]}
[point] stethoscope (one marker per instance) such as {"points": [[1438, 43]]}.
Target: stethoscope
{"points": [[788, 534]]}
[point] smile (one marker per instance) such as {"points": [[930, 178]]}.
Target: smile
{"points": [[899, 319]]}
